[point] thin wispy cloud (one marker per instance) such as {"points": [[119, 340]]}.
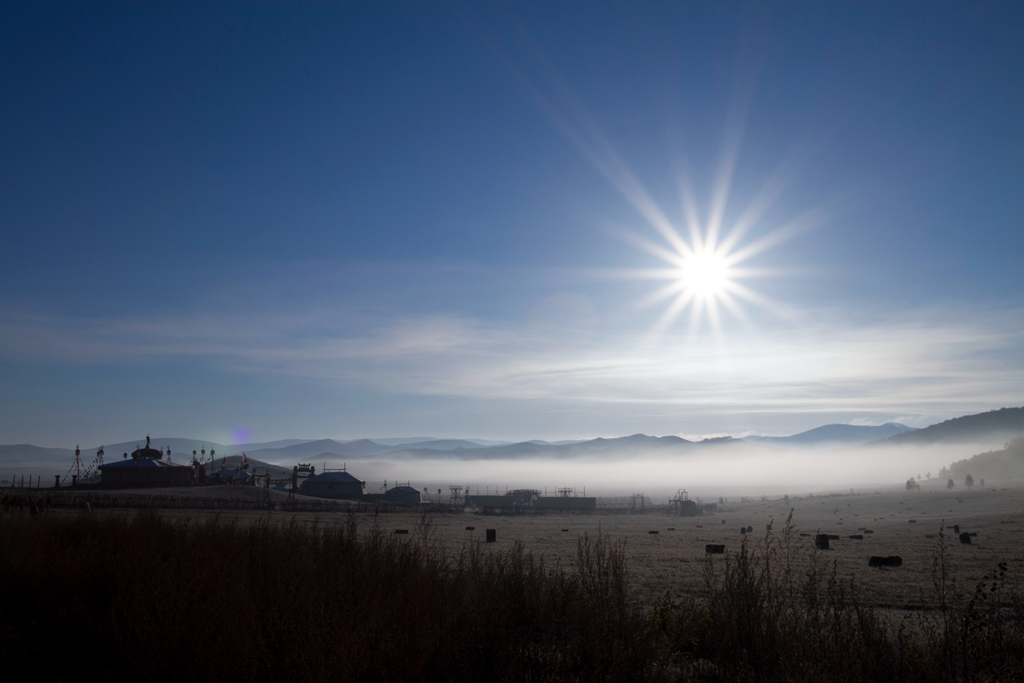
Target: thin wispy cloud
{"points": [[923, 365]]}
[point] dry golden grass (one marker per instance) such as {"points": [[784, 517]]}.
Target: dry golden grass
{"points": [[672, 560], [249, 595]]}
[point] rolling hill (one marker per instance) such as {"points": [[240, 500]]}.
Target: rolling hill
{"points": [[18, 455], [255, 466], [835, 435], [637, 445], [360, 448], [1007, 463], [995, 427]]}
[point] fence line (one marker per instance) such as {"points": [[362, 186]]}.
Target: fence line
{"points": [[19, 498]]}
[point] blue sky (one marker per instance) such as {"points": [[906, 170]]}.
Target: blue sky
{"points": [[389, 219]]}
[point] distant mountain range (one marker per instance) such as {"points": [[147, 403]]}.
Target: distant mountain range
{"points": [[995, 427], [405, 441], [361, 448], [546, 443], [626, 446], [255, 466], [835, 435]]}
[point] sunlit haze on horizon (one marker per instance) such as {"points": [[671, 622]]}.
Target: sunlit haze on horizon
{"points": [[510, 222]]}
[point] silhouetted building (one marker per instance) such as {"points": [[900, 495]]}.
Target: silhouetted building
{"points": [[402, 495], [146, 467], [339, 484]]}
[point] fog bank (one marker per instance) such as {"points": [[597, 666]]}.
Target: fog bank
{"points": [[707, 473]]}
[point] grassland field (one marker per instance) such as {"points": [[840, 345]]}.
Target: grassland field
{"points": [[894, 522]]}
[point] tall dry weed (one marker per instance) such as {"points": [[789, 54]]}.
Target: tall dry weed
{"points": [[143, 598]]}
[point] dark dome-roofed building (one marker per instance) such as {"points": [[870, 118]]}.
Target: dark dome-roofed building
{"points": [[147, 452], [338, 484], [147, 472], [146, 467]]}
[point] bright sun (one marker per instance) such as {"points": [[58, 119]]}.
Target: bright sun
{"points": [[704, 274]]}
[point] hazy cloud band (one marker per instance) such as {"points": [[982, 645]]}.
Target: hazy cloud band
{"points": [[917, 365]]}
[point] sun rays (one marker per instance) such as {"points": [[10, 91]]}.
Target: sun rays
{"points": [[708, 268], [705, 273], [706, 264]]}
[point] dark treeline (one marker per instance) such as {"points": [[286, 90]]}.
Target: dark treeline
{"points": [[1006, 463], [117, 598]]}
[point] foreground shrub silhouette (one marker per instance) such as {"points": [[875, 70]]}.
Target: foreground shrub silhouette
{"points": [[143, 598]]}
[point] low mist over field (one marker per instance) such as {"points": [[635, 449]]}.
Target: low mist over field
{"points": [[722, 472], [828, 458]]}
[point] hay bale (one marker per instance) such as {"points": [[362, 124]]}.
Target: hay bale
{"points": [[492, 535], [714, 549], [821, 541], [833, 537], [890, 561], [470, 528], [965, 538], [857, 537], [652, 532], [401, 531]]}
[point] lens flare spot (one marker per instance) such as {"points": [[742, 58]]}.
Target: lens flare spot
{"points": [[240, 435]]}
